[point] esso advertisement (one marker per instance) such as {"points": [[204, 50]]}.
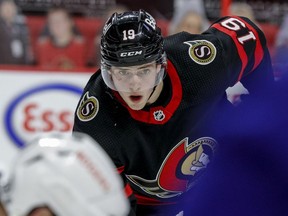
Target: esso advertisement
{"points": [[36, 103], [44, 108]]}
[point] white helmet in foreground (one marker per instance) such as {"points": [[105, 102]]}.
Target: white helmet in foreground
{"points": [[70, 174]]}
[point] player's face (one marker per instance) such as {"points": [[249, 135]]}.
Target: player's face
{"points": [[43, 211], [135, 83]]}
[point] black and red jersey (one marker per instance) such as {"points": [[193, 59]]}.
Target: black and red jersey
{"points": [[162, 149]]}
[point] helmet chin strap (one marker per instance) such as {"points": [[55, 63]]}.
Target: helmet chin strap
{"points": [[154, 88]]}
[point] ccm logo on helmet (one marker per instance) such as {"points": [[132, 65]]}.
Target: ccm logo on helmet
{"points": [[132, 53]]}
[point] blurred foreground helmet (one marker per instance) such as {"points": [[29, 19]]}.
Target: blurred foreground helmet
{"points": [[129, 39], [71, 175]]}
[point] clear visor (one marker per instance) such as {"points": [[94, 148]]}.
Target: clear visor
{"points": [[133, 78]]}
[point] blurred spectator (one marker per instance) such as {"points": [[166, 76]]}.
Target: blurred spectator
{"points": [[14, 35], [159, 9], [189, 17], [94, 57], [281, 50], [242, 9], [45, 31], [61, 47]]}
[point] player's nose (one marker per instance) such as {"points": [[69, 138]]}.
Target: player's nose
{"points": [[135, 82]]}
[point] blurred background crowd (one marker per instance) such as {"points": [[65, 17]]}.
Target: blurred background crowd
{"points": [[64, 35]]}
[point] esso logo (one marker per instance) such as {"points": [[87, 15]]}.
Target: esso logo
{"points": [[46, 108]]}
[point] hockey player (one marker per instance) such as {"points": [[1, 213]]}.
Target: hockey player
{"points": [[61, 175], [151, 103]]}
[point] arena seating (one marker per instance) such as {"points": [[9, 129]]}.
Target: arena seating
{"points": [[89, 27]]}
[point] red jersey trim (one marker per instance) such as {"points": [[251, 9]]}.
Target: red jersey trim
{"points": [[148, 116], [120, 169], [128, 190], [259, 52], [240, 48]]}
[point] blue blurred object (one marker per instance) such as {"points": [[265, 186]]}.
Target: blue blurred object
{"points": [[249, 174]]}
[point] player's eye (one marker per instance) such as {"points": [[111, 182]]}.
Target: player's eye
{"points": [[143, 72], [123, 73]]}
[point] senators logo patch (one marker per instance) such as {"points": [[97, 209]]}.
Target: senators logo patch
{"points": [[88, 108], [202, 52], [180, 169]]}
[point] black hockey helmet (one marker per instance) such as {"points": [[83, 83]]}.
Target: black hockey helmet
{"points": [[131, 38]]}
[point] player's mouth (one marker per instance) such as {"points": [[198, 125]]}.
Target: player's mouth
{"points": [[135, 98]]}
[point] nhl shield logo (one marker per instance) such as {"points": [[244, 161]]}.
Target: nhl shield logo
{"points": [[202, 52], [88, 108], [159, 115]]}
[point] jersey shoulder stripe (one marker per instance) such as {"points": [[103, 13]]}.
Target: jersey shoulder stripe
{"points": [[231, 26]]}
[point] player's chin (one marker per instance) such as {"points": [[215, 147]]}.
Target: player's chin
{"points": [[136, 107]]}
